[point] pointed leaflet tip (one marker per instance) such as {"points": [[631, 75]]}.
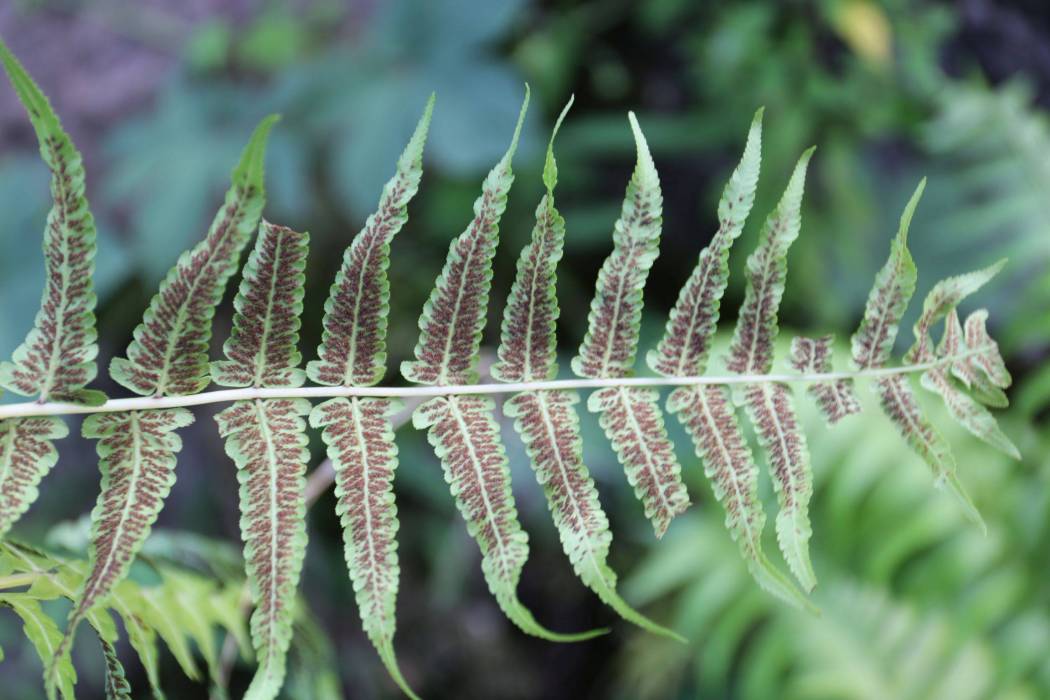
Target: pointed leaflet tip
{"points": [[645, 171], [413, 152], [909, 211], [249, 171], [509, 156], [550, 166]]}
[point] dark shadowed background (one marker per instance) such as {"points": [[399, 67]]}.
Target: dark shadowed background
{"points": [[161, 97]]}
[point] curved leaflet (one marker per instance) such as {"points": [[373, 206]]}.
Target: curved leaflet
{"points": [[353, 343], [262, 345], [361, 446], [635, 426], [466, 439], [769, 406], [267, 441], [169, 355], [547, 420], [137, 458], [835, 399], [57, 358], [27, 454]]}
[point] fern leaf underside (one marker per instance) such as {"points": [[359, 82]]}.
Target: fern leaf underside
{"points": [[267, 441], [57, 358], [169, 353], [547, 420], [629, 416], [266, 437]]}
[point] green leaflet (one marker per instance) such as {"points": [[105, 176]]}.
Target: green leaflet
{"points": [[353, 343], [147, 611], [262, 347], [267, 441], [707, 414], [27, 454], [770, 406], [454, 315], [984, 373], [751, 351], [547, 421], [900, 405], [609, 347], [967, 412], [944, 297], [941, 302], [169, 355], [57, 358], [630, 418], [361, 446], [142, 637], [465, 437], [137, 459], [528, 347], [889, 297], [45, 637], [549, 426], [685, 346], [117, 686]]}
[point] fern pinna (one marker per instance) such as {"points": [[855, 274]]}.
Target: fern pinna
{"points": [[265, 427]]}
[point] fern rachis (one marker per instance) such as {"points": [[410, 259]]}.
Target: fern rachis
{"points": [[265, 427]]}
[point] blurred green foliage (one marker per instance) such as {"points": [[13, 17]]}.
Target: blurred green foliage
{"points": [[916, 603]]}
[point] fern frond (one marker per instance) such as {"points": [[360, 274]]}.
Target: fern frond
{"points": [[707, 414], [169, 355], [57, 358], [262, 345], [267, 441], [353, 343], [361, 446], [466, 439], [116, 686], [813, 356], [685, 346], [630, 418], [454, 315], [770, 406], [546, 420], [27, 454], [137, 459]]}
